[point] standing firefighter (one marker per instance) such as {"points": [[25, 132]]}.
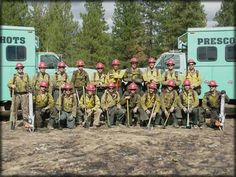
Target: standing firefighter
{"points": [[170, 74], [134, 74], [150, 103], [41, 76], [194, 76], [169, 100], [151, 74], [115, 76], [189, 103], [133, 103], [90, 107], [59, 79], [43, 104], [99, 79], [110, 104], [20, 85], [80, 77], [67, 107], [211, 103]]}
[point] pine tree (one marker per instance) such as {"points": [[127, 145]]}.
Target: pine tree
{"points": [[225, 16], [128, 32], [152, 11], [93, 40], [37, 20], [61, 30], [176, 19], [14, 13]]}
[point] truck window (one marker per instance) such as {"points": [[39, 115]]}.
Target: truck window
{"points": [[50, 60], [16, 53], [164, 58], [206, 54], [230, 53]]}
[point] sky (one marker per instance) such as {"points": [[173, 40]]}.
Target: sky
{"points": [[210, 8]]}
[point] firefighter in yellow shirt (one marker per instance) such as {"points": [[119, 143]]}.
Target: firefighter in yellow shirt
{"points": [[116, 76], [152, 74], [171, 74], [80, 77], [189, 103], [134, 74], [169, 100], [133, 102], [59, 79], [99, 80], [194, 76], [67, 106], [41, 76], [110, 102], [43, 104], [20, 84], [90, 107], [148, 101], [211, 103]]}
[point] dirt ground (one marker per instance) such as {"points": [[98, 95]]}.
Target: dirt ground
{"points": [[118, 151]]}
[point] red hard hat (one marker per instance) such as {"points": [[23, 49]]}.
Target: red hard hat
{"points": [[90, 87], [111, 85], [67, 86], [151, 60], [80, 63], [191, 61], [19, 65], [43, 84], [115, 62], [134, 60], [152, 85], [171, 83], [99, 65], [42, 65], [186, 82], [170, 62], [212, 83], [132, 86], [61, 64]]}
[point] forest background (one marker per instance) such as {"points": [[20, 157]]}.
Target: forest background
{"points": [[141, 28]]}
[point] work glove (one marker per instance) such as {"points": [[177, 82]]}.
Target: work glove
{"points": [[166, 113], [13, 86], [119, 106], [148, 112], [127, 97], [105, 108], [172, 109], [89, 111], [208, 111], [70, 118], [59, 109], [135, 110], [185, 109], [190, 110], [154, 115], [44, 110]]}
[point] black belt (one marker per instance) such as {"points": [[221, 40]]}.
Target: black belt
{"points": [[21, 93]]}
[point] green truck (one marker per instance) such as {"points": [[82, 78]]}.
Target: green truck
{"points": [[214, 51], [20, 44]]}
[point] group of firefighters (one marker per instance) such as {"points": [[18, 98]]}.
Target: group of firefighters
{"points": [[120, 97]]}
